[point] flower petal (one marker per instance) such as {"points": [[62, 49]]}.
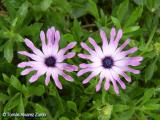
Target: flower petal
{"points": [[98, 86], [66, 67], [32, 47], [134, 61], [56, 80], [64, 50], [116, 77], [118, 37], [87, 48], [107, 84], [93, 74], [27, 71], [122, 73], [112, 35], [91, 65], [96, 47], [50, 36], [83, 71], [67, 77], [32, 56], [116, 89], [89, 57], [67, 56], [56, 43], [47, 80], [34, 77], [44, 46]]}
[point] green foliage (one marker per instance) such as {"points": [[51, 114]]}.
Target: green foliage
{"points": [[77, 20]]}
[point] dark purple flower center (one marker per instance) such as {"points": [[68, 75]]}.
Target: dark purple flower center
{"points": [[50, 61], [107, 62]]}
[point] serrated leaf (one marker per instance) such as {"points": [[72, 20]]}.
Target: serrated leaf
{"points": [[3, 97], [134, 16], [148, 94], [12, 103], [76, 30], [20, 107], [92, 8], [45, 4], [72, 106], [152, 106], [120, 108], [152, 5], [63, 118], [6, 78], [8, 51], [149, 71], [15, 83], [131, 29], [116, 22], [122, 10], [37, 90]]}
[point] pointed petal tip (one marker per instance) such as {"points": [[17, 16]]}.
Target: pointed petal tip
{"points": [[76, 68], [82, 43], [46, 82], [97, 88], [72, 44], [78, 74], [21, 65], [85, 82], [60, 87], [116, 91], [52, 28], [141, 58]]}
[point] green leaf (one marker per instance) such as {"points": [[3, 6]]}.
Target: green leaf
{"points": [[131, 29], [45, 4], [116, 22], [152, 5], [139, 2], [6, 78], [64, 8], [134, 16], [12, 103], [42, 110], [147, 95], [3, 97], [76, 30], [25, 91], [92, 8], [120, 108], [8, 51], [20, 107], [63, 118], [72, 106], [36, 90], [105, 112], [127, 115], [15, 83], [122, 10], [10, 5], [20, 16], [152, 106], [149, 71]]}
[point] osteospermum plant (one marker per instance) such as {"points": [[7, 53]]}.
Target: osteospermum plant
{"points": [[49, 60], [109, 62]]}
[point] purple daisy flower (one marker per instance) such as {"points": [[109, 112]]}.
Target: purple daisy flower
{"points": [[49, 61], [110, 62]]}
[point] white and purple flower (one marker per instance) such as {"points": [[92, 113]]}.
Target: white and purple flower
{"points": [[49, 61], [110, 61]]}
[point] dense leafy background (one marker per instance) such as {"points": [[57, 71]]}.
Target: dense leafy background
{"points": [[77, 20]]}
